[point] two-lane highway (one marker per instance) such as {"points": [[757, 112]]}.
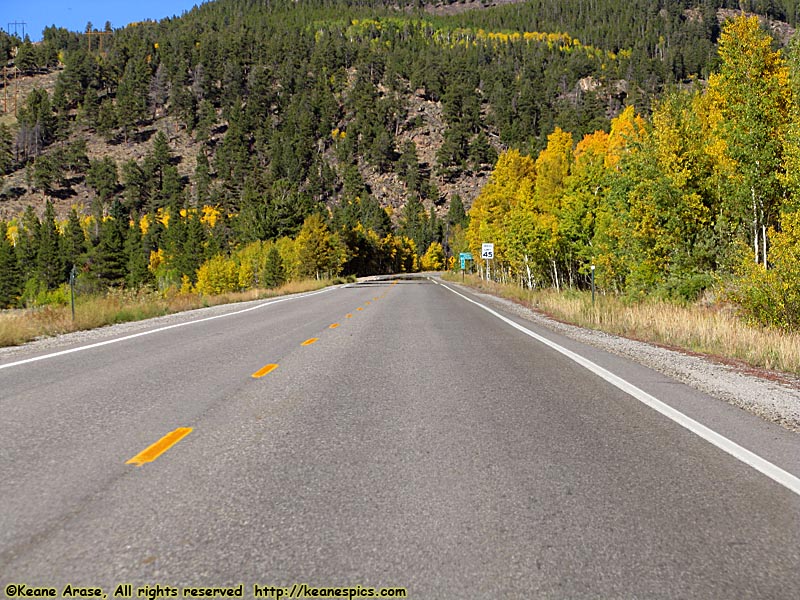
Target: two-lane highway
{"points": [[384, 434]]}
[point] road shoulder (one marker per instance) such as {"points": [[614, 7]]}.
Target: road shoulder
{"points": [[774, 399]]}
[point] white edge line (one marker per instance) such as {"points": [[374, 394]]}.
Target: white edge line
{"points": [[762, 465], [159, 329]]}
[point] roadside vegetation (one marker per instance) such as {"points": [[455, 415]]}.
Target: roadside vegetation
{"points": [[706, 329], [119, 306]]}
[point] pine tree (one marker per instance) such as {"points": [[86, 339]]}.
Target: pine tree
{"points": [[408, 166], [202, 179], [102, 177], [184, 106], [174, 242], [456, 215], [10, 277], [481, 152], [132, 95], [414, 221], [49, 261], [138, 259], [73, 242], [109, 260], [76, 158], [89, 113], [6, 150], [36, 123], [206, 117], [274, 270], [159, 90], [192, 256], [45, 172], [106, 119], [136, 189], [27, 246], [374, 217]]}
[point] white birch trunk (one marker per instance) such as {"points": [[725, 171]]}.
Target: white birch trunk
{"points": [[755, 224], [555, 277]]}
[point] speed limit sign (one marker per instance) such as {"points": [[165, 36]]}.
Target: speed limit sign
{"points": [[487, 251]]}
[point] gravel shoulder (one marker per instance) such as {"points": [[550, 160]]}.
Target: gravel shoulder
{"points": [[90, 336], [772, 396]]}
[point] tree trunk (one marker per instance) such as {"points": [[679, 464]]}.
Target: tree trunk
{"points": [[530, 276], [555, 276], [755, 224]]}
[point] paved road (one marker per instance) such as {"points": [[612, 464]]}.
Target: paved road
{"points": [[422, 443]]}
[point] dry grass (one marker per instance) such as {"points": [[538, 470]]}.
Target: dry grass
{"points": [[707, 330], [20, 326]]}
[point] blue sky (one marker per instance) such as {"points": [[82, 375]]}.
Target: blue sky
{"points": [[74, 14]]}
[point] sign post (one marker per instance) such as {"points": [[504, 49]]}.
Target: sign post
{"points": [[464, 257], [72, 274], [487, 254]]}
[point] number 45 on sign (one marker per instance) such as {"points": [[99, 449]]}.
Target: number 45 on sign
{"points": [[487, 251]]}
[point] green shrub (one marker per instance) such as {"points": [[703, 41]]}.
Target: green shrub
{"points": [[771, 296], [37, 294]]}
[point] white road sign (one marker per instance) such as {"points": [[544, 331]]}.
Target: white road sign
{"points": [[487, 251]]}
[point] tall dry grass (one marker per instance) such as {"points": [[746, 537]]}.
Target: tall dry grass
{"points": [[20, 326], [698, 328]]}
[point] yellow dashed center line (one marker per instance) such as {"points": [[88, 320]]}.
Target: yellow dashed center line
{"points": [[359, 308], [264, 370], [348, 316], [334, 326], [309, 341], [165, 443], [367, 302]]}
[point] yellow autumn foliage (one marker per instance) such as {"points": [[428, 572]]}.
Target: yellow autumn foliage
{"points": [[433, 259], [626, 129], [144, 223], [513, 178], [210, 216], [217, 275], [156, 260]]}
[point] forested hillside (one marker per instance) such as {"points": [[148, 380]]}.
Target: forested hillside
{"points": [[290, 139]]}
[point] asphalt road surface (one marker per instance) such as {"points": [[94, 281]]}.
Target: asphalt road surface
{"points": [[407, 438]]}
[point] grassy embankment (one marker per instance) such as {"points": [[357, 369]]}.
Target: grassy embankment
{"points": [[697, 328], [20, 326]]}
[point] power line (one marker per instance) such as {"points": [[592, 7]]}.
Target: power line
{"points": [[16, 24]]}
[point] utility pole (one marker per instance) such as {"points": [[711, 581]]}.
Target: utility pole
{"points": [[72, 275], [15, 23]]}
